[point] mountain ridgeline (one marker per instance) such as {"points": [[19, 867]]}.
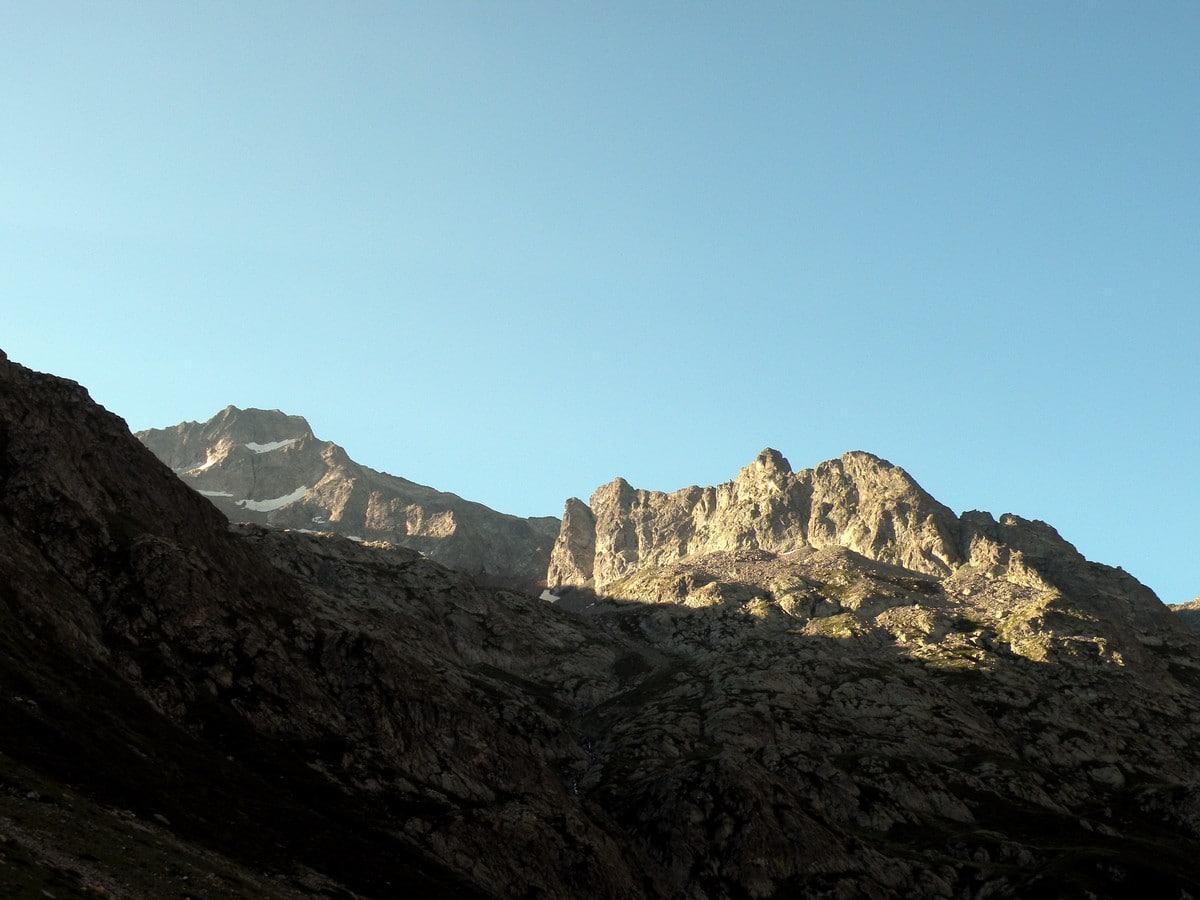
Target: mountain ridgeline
{"points": [[817, 684], [859, 502], [264, 466]]}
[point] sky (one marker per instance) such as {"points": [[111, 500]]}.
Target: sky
{"points": [[514, 250]]}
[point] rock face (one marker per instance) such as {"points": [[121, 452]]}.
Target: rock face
{"points": [[848, 653], [859, 502], [189, 708], [264, 466]]}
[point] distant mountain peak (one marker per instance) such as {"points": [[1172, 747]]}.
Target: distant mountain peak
{"points": [[266, 466]]}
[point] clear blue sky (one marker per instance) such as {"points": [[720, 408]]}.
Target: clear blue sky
{"points": [[514, 250]]}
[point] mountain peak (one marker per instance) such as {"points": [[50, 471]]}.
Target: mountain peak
{"points": [[266, 466], [859, 502], [771, 460], [864, 457], [253, 425]]}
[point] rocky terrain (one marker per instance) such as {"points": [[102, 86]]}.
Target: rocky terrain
{"points": [[797, 684], [1189, 613], [265, 466], [188, 709]]}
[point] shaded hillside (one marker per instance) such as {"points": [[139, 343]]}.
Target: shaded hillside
{"points": [[161, 679]]}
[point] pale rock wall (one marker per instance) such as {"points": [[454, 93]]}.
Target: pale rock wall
{"points": [[859, 502]]}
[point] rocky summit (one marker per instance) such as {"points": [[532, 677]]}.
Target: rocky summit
{"points": [[819, 683], [265, 466], [858, 502]]}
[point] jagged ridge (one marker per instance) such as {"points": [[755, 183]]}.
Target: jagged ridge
{"points": [[859, 502]]}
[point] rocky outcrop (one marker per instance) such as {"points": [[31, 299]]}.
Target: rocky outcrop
{"points": [[858, 501], [267, 467]]}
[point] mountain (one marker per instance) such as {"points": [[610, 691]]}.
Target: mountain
{"points": [[264, 466], [857, 502], [193, 709], [650, 546], [816, 684], [1189, 613], [854, 657]]}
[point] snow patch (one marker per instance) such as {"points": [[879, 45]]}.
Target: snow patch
{"points": [[546, 595], [215, 493], [270, 445], [354, 537], [268, 505]]}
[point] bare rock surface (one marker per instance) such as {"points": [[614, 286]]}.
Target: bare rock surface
{"points": [[265, 466], [858, 695], [858, 501]]}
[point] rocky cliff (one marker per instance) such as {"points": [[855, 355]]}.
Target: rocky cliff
{"points": [[264, 466], [858, 502], [189, 708]]}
